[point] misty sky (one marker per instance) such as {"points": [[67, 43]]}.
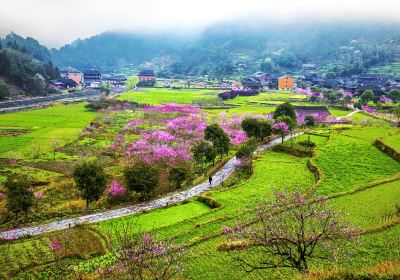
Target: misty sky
{"points": [[56, 22]]}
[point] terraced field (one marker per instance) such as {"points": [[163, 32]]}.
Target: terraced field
{"points": [[61, 123], [345, 155]]}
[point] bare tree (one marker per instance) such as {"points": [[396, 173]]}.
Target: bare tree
{"points": [[290, 230], [36, 150], [54, 144]]}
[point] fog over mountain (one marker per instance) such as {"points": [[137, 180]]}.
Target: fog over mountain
{"points": [[56, 22], [223, 46]]}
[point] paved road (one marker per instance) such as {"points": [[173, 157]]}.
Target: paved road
{"points": [[220, 176]]}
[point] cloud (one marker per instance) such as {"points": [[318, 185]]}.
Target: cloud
{"points": [[56, 22]]}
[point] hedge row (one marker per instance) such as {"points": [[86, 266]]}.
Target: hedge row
{"points": [[293, 151], [209, 201], [387, 150]]}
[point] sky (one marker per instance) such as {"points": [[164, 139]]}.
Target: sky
{"points": [[57, 22]]}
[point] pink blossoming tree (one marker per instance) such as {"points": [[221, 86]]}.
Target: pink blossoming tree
{"points": [[143, 256], [290, 230], [280, 128], [115, 189]]}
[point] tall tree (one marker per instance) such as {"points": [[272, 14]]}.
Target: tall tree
{"points": [[19, 197], [132, 82], [256, 128], [218, 137], [178, 175], [203, 153], [367, 95], [394, 94], [141, 178], [90, 179], [285, 109], [3, 90]]}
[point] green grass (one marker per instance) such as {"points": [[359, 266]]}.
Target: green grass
{"points": [[243, 110], [371, 207], [348, 162], [165, 96], [159, 218], [339, 113], [21, 255], [267, 97], [61, 122]]}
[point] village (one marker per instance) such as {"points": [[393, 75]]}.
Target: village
{"points": [[172, 140]]}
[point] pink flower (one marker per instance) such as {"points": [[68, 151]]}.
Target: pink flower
{"points": [[115, 189], [281, 127], [55, 246], [39, 195], [147, 238]]}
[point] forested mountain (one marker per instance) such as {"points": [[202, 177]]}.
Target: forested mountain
{"points": [[25, 67], [28, 45], [219, 49]]}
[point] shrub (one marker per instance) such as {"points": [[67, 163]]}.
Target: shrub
{"points": [[307, 143], [209, 201], [309, 121], [247, 149]]}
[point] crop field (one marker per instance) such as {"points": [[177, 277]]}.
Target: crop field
{"points": [[165, 96], [83, 243], [268, 97], [60, 124], [389, 68], [349, 162]]}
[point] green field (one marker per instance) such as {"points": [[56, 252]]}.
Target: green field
{"points": [[165, 96], [349, 162], [60, 122]]}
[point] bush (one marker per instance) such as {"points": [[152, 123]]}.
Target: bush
{"points": [[307, 143], [247, 149], [102, 104], [309, 121], [209, 201]]}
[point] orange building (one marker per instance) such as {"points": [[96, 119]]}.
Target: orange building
{"points": [[76, 76], [285, 82]]}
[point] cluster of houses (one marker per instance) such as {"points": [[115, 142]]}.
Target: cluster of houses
{"points": [[378, 83], [92, 78], [263, 80]]}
